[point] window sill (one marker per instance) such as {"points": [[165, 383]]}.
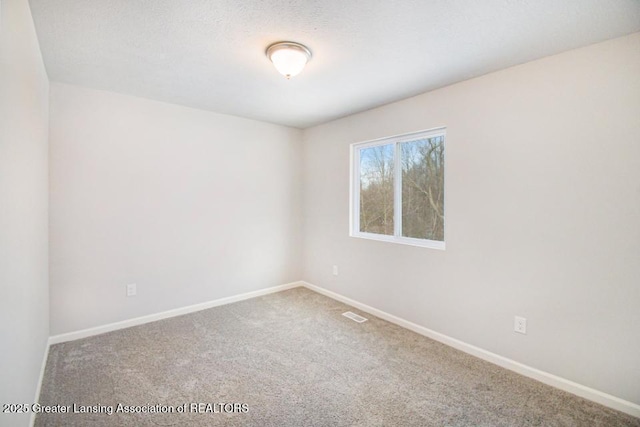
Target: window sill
{"points": [[423, 243]]}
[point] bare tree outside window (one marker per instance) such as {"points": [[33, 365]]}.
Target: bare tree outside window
{"points": [[376, 189], [423, 188]]}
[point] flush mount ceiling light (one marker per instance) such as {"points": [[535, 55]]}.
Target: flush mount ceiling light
{"points": [[289, 58]]}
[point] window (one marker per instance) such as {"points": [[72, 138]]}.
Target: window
{"points": [[397, 189]]}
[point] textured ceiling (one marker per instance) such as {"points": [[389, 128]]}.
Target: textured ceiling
{"points": [[209, 54]]}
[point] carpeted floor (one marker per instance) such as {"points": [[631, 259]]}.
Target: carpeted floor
{"points": [[293, 360]]}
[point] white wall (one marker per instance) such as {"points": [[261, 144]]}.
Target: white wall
{"points": [[542, 215], [189, 205], [24, 298]]}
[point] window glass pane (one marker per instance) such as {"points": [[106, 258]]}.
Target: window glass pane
{"points": [[423, 188], [376, 189]]}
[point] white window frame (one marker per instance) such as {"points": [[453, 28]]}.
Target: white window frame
{"points": [[354, 193]]}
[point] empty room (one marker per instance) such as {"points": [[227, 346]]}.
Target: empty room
{"points": [[320, 213]]}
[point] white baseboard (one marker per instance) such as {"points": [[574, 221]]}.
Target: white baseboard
{"points": [[36, 398], [70, 336], [544, 377]]}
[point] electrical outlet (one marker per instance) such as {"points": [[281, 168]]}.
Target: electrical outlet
{"points": [[520, 325], [131, 290], [335, 270]]}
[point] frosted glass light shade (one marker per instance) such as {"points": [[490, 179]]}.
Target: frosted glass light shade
{"points": [[289, 58]]}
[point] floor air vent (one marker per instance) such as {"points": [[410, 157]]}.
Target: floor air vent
{"points": [[354, 317]]}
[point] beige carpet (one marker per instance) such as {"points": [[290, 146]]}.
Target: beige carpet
{"points": [[293, 360]]}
